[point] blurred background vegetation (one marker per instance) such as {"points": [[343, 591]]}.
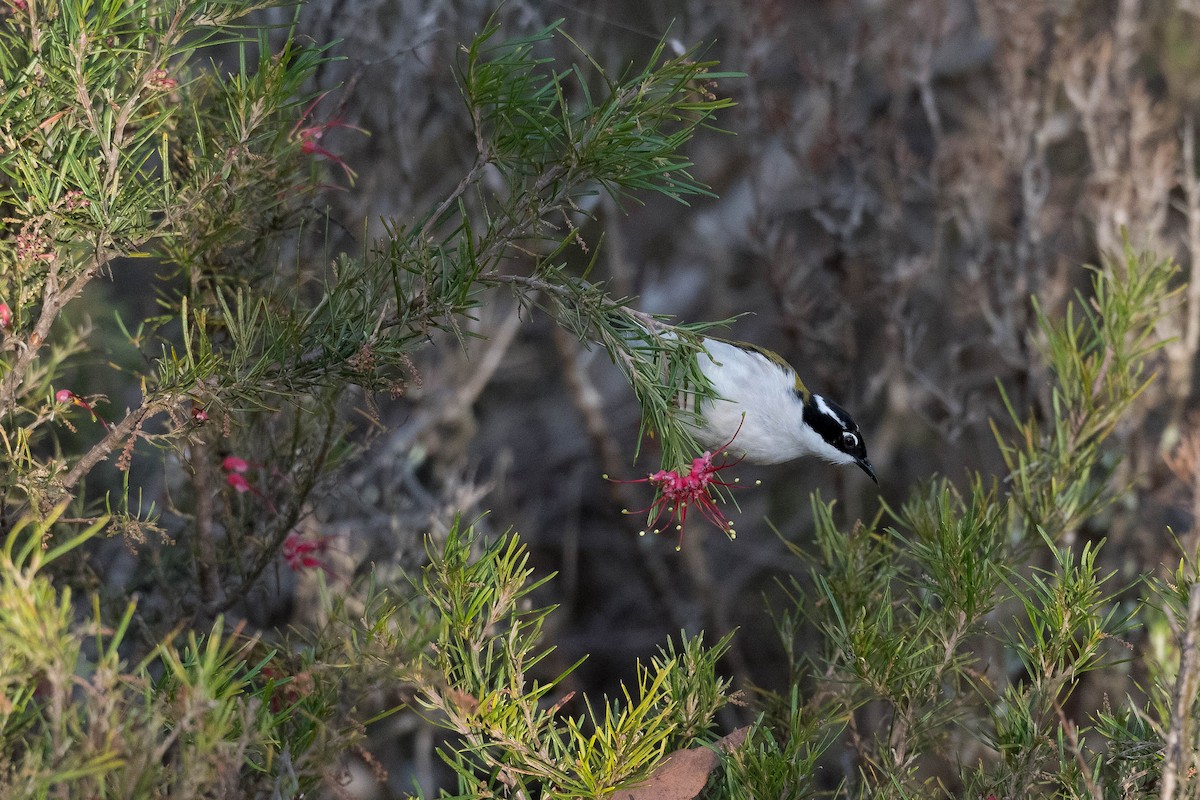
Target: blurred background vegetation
{"points": [[896, 180], [901, 178]]}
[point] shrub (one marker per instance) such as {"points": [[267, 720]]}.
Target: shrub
{"points": [[177, 146]]}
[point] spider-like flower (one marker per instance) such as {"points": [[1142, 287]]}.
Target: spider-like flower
{"points": [[677, 493], [301, 553], [309, 136], [67, 396], [234, 469]]}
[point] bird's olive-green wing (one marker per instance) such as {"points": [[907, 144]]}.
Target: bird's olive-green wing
{"points": [[774, 358]]}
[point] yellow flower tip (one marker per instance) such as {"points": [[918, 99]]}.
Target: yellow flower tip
{"points": [[758, 483], [733, 534], [678, 548], [605, 476], [641, 533], [678, 527], [625, 511], [737, 480]]}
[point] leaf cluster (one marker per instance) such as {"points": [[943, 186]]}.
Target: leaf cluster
{"points": [[514, 732], [1100, 356], [975, 615], [216, 714]]}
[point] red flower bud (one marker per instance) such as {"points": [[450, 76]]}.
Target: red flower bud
{"points": [[234, 464], [238, 482]]}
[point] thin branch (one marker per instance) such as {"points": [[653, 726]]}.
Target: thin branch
{"points": [[1191, 330], [1070, 729], [588, 402], [289, 514], [53, 302], [472, 175], [1183, 698], [114, 439], [205, 549]]}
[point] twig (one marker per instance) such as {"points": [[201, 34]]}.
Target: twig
{"points": [[472, 175], [570, 293], [588, 402], [54, 300], [468, 393], [1182, 699], [205, 551], [1070, 729], [115, 437], [1191, 331]]}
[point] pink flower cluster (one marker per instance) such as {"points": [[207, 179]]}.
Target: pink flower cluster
{"points": [[309, 136], [235, 475], [678, 492], [301, 553]]}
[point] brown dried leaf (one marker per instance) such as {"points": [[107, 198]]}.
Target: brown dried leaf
{"points": [[682, 774], [466, 703]]}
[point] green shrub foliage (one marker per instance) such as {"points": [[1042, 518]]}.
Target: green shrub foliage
{"points": [[177, 147]]}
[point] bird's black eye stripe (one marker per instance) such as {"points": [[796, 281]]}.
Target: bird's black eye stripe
{"points": [[827, 426], [833, 425]]}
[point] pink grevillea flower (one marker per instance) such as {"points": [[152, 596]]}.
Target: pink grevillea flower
{"points": [[67, 396], [239, 482], [5, 315], [309, 136], [678, 492], [301, 553], [234, 469], [234, 464]]}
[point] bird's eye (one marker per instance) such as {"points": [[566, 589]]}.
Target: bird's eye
{"points": [[849, 440]]}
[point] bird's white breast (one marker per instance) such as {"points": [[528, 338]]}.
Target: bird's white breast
{"points": [[773, 428]]}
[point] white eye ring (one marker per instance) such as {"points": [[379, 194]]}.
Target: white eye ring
{"points": [[849, 440]]}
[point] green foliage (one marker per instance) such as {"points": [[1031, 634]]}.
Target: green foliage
{"points": [[220, 714], [191, 721], [781, 759], [626, 138], [1099, 357], [123, 140], [946, 624], [204, 170], [970, 612], [478, 682], [129, 143]]}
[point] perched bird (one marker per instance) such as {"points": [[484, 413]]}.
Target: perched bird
{"points": [[768, 413]]}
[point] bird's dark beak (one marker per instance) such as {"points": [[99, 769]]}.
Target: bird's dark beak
{"points": [[867, 468]]}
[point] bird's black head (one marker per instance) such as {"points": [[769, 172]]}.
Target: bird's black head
{"points": [[836, 428]]}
